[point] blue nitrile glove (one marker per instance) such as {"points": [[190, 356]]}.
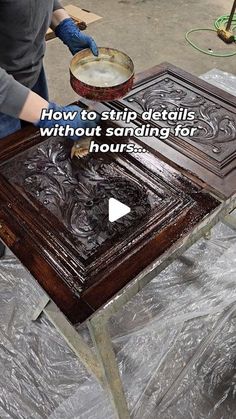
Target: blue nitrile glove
{"points": [[77, 122], [76, 40]]}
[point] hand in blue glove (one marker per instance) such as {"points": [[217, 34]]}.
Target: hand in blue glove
{"points": [[76, 40], [77, 122]]}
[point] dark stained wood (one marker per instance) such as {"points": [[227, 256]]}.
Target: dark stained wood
{"points": [[211, 154], [54, 216], [19, 141]]}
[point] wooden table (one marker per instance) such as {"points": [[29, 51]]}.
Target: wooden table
{"points": [[54, 211]]}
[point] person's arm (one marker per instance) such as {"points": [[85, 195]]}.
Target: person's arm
{"points": [[66, 30], [20, 102], [32, 108], [59, 14], [12, 94]]}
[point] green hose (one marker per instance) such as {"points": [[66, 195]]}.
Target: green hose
{"points": [[219, 23]]}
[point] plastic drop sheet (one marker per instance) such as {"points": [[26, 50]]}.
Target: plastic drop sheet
{"points": [[219, 78], [175, 344]]}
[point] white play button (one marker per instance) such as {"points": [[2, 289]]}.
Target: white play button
{"points": [[117, 210]]}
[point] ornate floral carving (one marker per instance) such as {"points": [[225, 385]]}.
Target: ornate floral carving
{"points": [[77, 192], [215, 126]]}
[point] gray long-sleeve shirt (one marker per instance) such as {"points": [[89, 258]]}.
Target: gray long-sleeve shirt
{"points": [[23, 25]]}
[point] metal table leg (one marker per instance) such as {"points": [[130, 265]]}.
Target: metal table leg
{"points": [[102, 363], [230, 221], [103, 344], [71, 336]]}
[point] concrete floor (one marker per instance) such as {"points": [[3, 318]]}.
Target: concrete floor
{"points": [[150, 31]]}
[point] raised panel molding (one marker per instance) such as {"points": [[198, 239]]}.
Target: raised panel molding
{"points": [[55, 217], [211, 153]]}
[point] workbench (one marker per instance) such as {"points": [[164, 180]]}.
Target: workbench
{"points": [[53, 212]]}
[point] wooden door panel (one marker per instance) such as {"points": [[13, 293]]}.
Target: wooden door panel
{"points": [[54, 216], [211, 153]]}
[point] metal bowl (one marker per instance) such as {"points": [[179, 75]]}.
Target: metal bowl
{"points": [[106, 77]]}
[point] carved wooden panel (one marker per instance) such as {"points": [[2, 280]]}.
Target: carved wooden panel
{"points": [[211, 153], [54, 216]]}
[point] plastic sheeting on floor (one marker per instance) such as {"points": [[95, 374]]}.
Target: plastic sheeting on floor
{"points": [[219, 78], [175, 343]]}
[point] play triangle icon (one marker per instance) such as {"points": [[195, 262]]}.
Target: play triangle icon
{"points": [[117, 210]]}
